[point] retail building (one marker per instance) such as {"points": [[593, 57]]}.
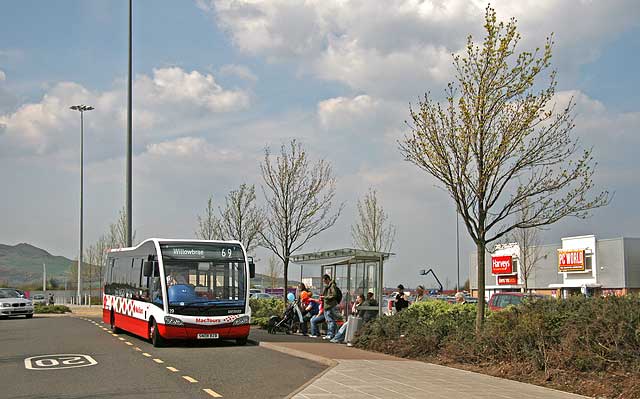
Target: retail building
{"points": [[577, 265]]}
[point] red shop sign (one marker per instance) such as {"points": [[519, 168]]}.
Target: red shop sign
{"points": [[571, 260], [501, 265], [508, 280]]}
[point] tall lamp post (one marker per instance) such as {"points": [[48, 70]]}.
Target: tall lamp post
{"points": [[82, 109]]}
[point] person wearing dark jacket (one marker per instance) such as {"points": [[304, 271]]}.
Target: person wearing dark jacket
{"points": [[401, 302], [330, 301]]}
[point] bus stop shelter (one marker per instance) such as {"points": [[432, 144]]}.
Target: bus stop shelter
{"points": [[355, 271]]}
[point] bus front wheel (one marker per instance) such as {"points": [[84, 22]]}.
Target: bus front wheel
{"points": [[242, 341], [154, 335]]}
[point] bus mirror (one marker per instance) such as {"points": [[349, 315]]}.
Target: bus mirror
{"points": [[252, 269], [147, 269]]}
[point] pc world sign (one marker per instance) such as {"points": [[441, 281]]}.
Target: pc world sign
{"points": [[501, 265], [571, 260]]}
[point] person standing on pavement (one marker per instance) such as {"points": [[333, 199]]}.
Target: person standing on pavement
{"points": [[330, 301], [401, 301]]}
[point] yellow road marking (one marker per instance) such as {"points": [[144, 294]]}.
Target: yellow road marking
{"points": [[172, 369], [146, 354], [158, 361], [192, 380], [128, 343], [212, 393]]}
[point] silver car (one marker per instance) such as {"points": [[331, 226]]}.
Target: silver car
{"points": [[12, 304]]}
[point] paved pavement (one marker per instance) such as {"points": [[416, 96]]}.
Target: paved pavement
{"points": [[361, 374]]}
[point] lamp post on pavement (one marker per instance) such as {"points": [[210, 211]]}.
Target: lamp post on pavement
{"points": [[82, 109]]}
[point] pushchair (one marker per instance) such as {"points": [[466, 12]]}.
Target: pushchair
{"points": [[286, 322]]}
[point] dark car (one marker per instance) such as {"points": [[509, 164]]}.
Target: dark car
{"points": [[501, 300]]}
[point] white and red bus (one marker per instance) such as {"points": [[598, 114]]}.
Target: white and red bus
{"points": [[166, 289]]}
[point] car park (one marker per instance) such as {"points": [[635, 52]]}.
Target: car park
{"points": [[501, 300], [12, 304], [261, 295]]}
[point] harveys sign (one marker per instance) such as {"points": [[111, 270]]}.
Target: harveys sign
{"points": [[501, 265], [571, 260]]}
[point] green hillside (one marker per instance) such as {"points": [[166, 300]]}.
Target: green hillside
{"points": [[23, 263]]}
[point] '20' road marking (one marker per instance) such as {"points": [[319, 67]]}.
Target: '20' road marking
{"points": [[57, 362]]}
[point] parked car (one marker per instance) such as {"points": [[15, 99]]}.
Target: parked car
{"points": [[501, 300], [12, 304], [39, 299], [260, 295]]}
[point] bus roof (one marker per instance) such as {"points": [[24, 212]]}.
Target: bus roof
{"points": [[162, 240]]}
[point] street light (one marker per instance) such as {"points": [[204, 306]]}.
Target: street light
{"points": [[82, 109]]}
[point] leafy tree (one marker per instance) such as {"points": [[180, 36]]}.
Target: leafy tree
{"points": [[372, 230], [499, 145], [299, 198], [117, 235], [529, 244], [274, 270], [208, 224], [241, 219]]}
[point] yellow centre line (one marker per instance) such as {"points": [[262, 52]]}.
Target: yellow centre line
{"points": [[212, 393], [192, 380], [146, 354], [172, 369], [158, 361]]}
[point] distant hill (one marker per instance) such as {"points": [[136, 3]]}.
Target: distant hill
{"points": [[22, 263]]}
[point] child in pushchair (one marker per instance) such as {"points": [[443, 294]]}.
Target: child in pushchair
{"points": [[287, 321]]}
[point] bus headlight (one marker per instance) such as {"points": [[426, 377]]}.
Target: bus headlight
{"points": [[173, 321], [242, 320]]}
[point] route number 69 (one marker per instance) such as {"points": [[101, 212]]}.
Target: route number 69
{"points": [[226, 252]]}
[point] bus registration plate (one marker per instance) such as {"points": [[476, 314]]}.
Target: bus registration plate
{"points": [[208, 336]]}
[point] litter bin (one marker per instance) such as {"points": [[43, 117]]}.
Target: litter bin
{"points": [[355, 322]]}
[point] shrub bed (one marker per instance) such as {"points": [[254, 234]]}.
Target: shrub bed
{"points": [[38, 308], [579, 338], [262, 309]]}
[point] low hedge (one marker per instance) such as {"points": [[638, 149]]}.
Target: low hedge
{"points": [[579, 334], [262, 309], [38, 308]]}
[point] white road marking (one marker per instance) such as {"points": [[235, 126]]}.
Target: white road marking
{"points": [[58, 361], [191, 380], [172, 369], [158, 361], [146, 354], [212, 393], [128, 343]]}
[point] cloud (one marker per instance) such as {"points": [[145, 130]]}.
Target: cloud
{"points": [[239, 71], [166, 104], [388, 47]]}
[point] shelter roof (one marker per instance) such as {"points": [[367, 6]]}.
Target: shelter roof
{"points": [[339, 257]]}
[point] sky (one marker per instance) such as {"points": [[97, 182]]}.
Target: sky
{"points": [[217, 81]]}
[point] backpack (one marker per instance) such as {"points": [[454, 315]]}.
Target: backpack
{"points": [[338, 295]]}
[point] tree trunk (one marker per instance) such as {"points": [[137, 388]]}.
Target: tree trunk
{"points": [[480, 246], [284, 278]]}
